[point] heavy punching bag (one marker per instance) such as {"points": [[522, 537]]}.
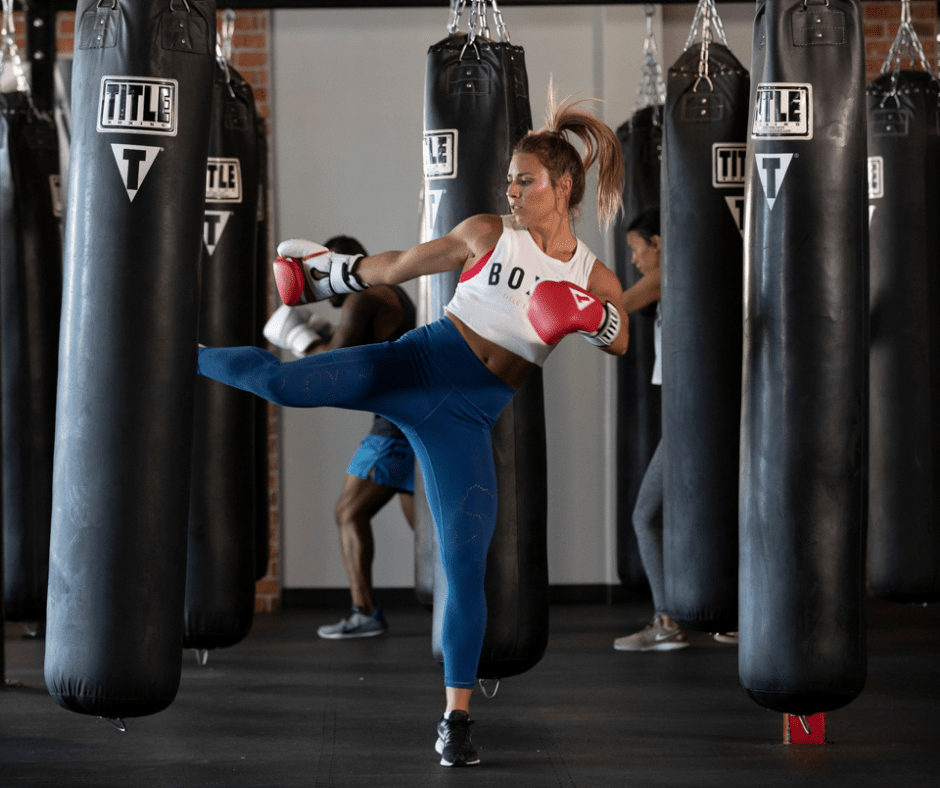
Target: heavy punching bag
{"points": [[30, 302], [704, 138], [904, 516], [262, 407], [476, 109], [141, 99], [805, 387], [220, 574], [639, 402]]}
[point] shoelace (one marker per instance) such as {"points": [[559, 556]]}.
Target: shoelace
{"points": [[458, 732]]}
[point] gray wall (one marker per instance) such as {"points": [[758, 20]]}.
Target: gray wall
{"points": [[347, 126]]}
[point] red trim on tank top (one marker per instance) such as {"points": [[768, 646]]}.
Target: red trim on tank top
{"points": [[478, 266]]}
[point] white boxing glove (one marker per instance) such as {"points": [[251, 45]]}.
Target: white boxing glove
{"points": [[306, 271], [296, 329]]}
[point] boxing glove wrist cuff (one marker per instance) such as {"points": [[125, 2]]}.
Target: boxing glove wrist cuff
{"points": [[609, 328], [339, 277]]}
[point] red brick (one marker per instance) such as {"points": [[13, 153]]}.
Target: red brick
{"points": [[266, 586]]}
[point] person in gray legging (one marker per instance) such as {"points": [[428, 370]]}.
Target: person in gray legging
{"points": [[662, 633]]}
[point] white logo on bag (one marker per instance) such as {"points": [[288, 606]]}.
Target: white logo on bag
{"points": [[138, 105], [213, 227], [55, 189], [783, 109], [772, 168], [432, 202], [223, 180], [876, 171], [134, 162], [728, 164], [440, 153], [736, 206]]}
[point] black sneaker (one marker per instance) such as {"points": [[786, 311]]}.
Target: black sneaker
{"points": [[453, 740]]}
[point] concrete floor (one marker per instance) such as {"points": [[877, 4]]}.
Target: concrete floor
{"points": [[285, 708]]}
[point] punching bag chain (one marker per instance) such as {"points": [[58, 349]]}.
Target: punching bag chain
{"points": [[652, 88], [706, 8], [478, 25], [8, 44], [223, 46], [906, 45]]}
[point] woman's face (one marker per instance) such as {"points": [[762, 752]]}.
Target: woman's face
{"points": [[645, 253], [530, 190]]}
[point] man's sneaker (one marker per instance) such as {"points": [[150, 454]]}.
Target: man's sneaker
{"points": [[357, 625], [731, 638], [655, 637], [453, 740]]}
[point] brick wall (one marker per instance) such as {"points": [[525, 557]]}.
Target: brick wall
{"points": [[251, 58]]}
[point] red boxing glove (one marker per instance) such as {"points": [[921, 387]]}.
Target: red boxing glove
{"points": [[557, 309]]}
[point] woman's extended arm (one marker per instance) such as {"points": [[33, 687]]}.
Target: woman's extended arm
{"points": [[643, 293], [469, 240]]}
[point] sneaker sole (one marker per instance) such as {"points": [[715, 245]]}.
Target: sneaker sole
{"points": [[655, 647], [439, 749], [350, 636]]}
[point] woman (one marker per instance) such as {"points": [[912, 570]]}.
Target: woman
{"points": [[526, 282], [662, 633]]}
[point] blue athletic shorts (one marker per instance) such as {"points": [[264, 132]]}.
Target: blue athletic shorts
{"points": [[386, 461]]}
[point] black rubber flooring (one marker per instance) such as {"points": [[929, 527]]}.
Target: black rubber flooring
{"points": [[284, 708]]}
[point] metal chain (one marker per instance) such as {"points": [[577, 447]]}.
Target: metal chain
{"points": [[8, 43], [223, 47], [906, 45], [652, 88], [478, 24], [703, 9]]}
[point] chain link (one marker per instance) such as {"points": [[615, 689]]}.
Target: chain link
{"points": [[652, 88], [8, 44]]}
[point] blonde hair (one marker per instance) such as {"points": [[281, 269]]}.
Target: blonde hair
{"points": [[561, 158]]}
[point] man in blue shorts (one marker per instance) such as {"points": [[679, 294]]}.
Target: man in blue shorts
{"points": [[384, 464]]}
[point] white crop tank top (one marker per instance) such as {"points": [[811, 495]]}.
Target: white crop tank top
{"points": [[492, 296]]}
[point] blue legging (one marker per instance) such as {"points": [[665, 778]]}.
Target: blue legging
{"points": [[445, 400]]}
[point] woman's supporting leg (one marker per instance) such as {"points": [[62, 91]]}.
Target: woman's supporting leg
{"points": [[648, 525]]}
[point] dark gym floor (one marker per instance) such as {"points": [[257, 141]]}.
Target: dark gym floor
{"points": [[285, 708]]}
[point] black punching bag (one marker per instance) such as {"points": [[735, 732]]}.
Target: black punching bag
{"points": [[805, 389], [904, 518], [141, 99], [220, 574], [639, 402], [476, 109], [704, 137], [262, 407], [30, 302]]}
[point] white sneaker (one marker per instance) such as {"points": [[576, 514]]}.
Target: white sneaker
{"points": [[655, 637], [730, 638]]}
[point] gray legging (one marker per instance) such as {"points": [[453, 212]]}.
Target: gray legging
{"points": [[648, 525]]}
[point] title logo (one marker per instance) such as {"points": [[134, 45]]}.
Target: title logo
{"points": [[783, 110], [876, 174], [223, 180], [728, 164], [440, 153], [138, 105], [772, 169], [134, 162]]}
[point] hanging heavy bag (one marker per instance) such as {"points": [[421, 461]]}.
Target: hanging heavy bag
{"points": [[639, 402], [141, 99], [805, 388], [30, 302], [904, 518], [220, 574], [476, 109], [261, 453], [704, 137]]}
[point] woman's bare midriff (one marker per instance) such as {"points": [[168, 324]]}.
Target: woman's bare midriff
{"points": [[506, 365]]}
